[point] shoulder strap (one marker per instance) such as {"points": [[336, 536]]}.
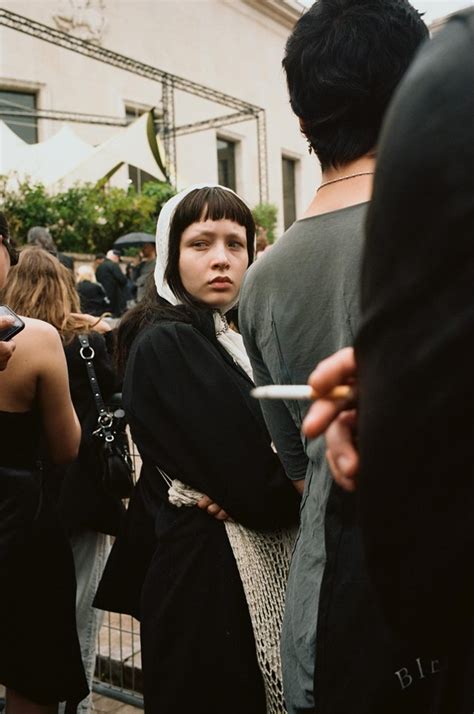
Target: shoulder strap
{"points": [[87, 353]]}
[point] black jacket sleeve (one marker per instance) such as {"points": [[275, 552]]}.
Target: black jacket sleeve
{"points": [[192, 415]]}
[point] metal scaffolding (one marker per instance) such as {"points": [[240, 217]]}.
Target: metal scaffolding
{"points": [[243, 111]]}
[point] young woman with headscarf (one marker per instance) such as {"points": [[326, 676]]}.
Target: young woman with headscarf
{"points": [[187, 397]]}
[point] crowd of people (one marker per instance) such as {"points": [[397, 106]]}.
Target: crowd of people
{"points": [[108, 285], [273, 570]]}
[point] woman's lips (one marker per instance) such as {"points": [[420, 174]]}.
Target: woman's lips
{"points": [[221, 283]]}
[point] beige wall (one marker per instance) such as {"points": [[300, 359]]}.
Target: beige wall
{"points": [[223, 44]]}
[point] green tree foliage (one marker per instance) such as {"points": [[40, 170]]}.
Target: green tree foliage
{"points": [[83, 219], [265, 215]]}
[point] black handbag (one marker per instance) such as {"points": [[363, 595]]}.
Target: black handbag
{"points": [[114, 451]]}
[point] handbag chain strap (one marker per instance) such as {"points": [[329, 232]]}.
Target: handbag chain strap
{"points": [[105, 420]]}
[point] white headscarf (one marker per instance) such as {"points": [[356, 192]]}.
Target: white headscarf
{"points": [[229, 339]]}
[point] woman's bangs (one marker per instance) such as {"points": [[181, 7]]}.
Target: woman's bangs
{"points": [[221, 204]]}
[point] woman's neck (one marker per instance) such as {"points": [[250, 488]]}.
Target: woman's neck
{"points": [[345, 186]]}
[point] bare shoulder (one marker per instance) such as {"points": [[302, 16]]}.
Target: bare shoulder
{"points": [[38, 332]]}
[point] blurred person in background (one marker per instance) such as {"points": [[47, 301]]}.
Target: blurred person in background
{"points": [[40, 658], [40, 287], [113, 280], [94, 300], [145, 268], [41, 237], [262, 243]]}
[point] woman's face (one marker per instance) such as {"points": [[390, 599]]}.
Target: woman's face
{"points": [[212, 261]]}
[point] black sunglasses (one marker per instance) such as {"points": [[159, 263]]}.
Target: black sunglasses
{"points": [[11, 250]]}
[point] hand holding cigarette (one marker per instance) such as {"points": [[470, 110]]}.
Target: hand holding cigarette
{"points": [[331, 414], [336, 419]]}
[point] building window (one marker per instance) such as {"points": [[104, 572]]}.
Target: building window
{"points": [[26, 127], [226, 163], [136, 176], [289, 191]]}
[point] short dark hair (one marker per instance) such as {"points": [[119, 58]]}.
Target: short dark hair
{"points": [[211, 203], [343, 61]]}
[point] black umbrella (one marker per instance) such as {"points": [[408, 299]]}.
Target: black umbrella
{"points": [[134, 239]]}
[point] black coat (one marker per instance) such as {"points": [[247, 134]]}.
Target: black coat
{"points": [[191, 413], [114, 282]]}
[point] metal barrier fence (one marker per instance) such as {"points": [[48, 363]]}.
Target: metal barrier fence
{"points": [[118, 672]]}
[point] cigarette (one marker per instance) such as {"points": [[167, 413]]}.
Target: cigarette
{"points": [[300, 391]]}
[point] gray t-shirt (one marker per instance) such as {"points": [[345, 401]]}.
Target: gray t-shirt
{"points": [[298, 305]]}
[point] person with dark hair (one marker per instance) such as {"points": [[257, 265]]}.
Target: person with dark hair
{"points": [[41, 237], [113, 280], [343, 61], [414, 354], [203, 442]]}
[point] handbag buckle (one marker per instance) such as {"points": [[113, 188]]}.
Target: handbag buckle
{"points": [[105, 420], [89, 356]]}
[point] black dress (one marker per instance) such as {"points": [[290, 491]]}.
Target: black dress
{"points": [[190, 413], [39, 650]]}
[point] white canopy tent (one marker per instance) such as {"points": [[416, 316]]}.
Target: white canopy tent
{"points": [[47, 161], [65, 159], [137, 145], [10, 145]]}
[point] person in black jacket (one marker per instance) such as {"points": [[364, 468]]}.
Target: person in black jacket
{"points": [[113, 280], [94, 300], [187, 397]]}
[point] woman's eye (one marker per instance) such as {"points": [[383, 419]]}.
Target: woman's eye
{"points": [[236, 244], [199, 244]]}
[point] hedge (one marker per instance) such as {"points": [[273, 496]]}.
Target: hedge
{"points": [[83, 219]]}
